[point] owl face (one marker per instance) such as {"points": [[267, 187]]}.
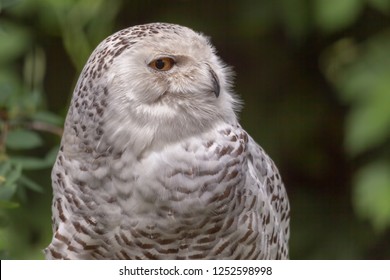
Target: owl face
{"points": [[170, 74], [158, 81]]}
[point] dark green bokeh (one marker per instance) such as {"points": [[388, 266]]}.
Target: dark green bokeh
{"points": [[313, 75]]}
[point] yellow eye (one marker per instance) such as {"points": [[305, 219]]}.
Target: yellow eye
{"points": [[162, 64]]}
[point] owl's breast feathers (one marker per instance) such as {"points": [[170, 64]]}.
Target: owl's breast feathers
{"points": [[213, 196]]}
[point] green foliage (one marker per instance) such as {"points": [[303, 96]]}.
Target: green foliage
{"points": [[372, 194], [360, 72], [80, 24], [26, 144], [23, 119], [14, 41], [10, 175], [23, 139], [21, 130], [332, 15]]}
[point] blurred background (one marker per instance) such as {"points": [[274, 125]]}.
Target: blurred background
{"points": [[314, 76]]}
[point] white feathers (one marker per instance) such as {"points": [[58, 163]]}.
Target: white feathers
{"points": [[153, 163]]}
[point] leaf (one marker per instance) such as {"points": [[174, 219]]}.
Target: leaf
{"points": [[368, 124], [10, 85], [333, 15], [4, 4], [13, 175], [7, 191], [5, 168], [48, 117], [14, 41], [8, 204], [9, 186], [372, 194], [363, 83], [30, 163], [23, 139], [34, 68], [30, 184], [51, 156], [33, 163]]}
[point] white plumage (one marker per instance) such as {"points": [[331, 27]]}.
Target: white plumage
{"points": [[153, 163]]}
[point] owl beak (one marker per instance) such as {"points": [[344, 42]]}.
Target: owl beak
{"points": [[215, 80]]}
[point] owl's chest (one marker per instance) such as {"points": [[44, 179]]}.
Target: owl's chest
{"points": [[183, 182], [166, 189], [185, 206]]}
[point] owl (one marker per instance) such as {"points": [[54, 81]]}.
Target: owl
{"points": [[153, 163]]}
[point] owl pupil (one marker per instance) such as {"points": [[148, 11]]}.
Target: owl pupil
{"points": [[160, 64]]}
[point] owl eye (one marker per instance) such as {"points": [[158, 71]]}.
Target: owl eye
{"points": [[162, 64]]}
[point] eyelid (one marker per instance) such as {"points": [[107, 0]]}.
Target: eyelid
{"points": [[161, 55], [154, 58]]}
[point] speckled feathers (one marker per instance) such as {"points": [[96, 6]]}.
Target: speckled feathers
{"points": [[154, 165]]}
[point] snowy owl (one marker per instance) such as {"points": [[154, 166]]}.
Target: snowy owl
{"points": [[153, 163]]}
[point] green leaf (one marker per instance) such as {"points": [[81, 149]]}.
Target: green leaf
{"points": [[362, 79], [34, 69], [368, 124], [48, 117], [51, 156], [30, 184], [23, 139], [33, 163], [4, 4], [9, 186], [30, 163], [10, 86], [372, 194], [7, 191], [14, 41], [14, 174], [8, 205], [5, 168], [333, 15]]}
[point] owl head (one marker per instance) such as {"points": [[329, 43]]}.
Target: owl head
{"points": [[154, 83]]}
